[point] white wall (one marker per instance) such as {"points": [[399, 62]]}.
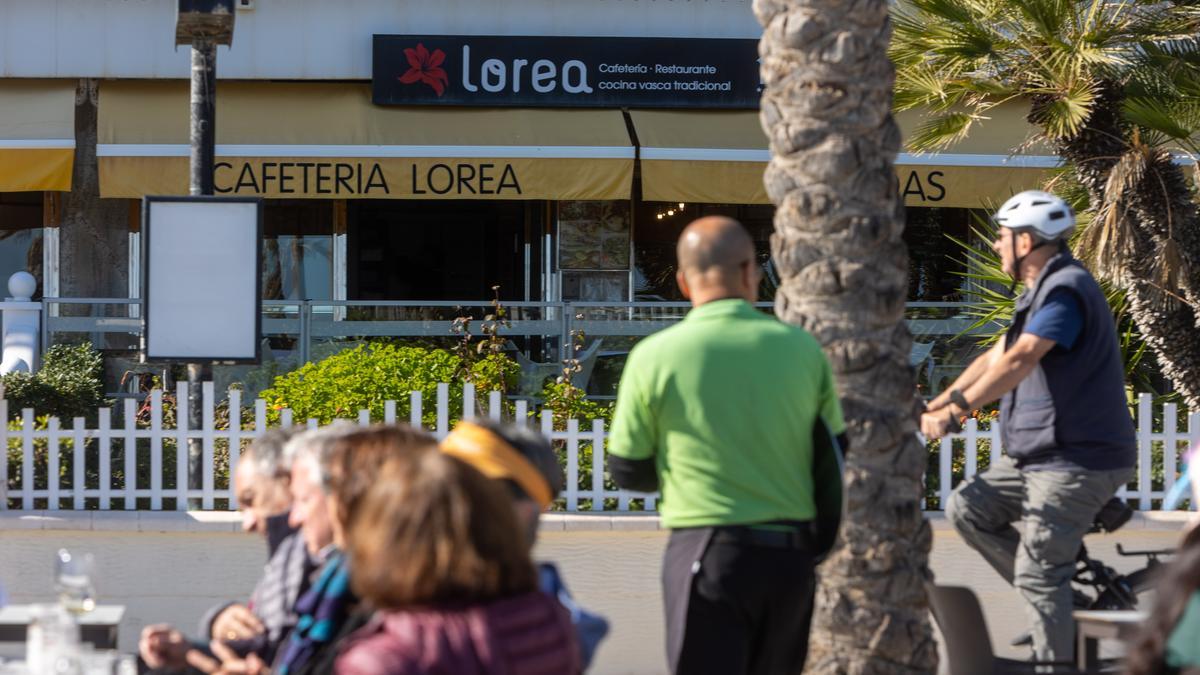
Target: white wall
{"points": [[318, 39]]}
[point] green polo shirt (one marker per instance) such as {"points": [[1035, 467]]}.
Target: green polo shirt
{"points": [[725, 402]]}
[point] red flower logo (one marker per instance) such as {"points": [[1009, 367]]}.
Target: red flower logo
{"points": [[426, 66]]}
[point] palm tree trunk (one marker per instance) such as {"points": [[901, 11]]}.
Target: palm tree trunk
{"points": [[837, 244], [1164, 310]]}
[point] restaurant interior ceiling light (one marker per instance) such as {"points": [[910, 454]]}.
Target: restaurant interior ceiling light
{"points": [[670, 212], [204, 20]]}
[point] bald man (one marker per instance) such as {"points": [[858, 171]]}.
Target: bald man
{"points": [[735, 417]]}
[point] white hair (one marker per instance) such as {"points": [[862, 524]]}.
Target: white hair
{"points": [[266, 453], [315, 447]]}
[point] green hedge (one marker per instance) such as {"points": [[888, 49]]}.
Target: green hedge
{"points": [[368, 375], [69, 384]]}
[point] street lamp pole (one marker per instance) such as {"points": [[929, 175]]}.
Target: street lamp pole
{"points": [[203, 24], [204, 116]]}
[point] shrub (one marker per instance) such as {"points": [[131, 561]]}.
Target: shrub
{"points": [[371, 374], [69, 384], [567, 402]]}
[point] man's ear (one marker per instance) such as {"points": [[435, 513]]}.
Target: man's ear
{"points": [[681, 281], [751, 276], [1028, 240]]}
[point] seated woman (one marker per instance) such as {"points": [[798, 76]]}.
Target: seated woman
{"points": [[1167, 643], [344, 470], [436, 548], [330, 611], [523, 462]]}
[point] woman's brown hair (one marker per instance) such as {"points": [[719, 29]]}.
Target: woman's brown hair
{"points": [[1147, 652], [355, 460], [432, 531]]}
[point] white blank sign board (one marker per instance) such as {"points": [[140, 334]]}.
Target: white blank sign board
{"points": [[202, 278]]}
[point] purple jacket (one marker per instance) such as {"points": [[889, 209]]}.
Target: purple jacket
{"points": [[526, 635]]}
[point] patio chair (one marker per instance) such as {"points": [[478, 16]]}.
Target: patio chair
{"points": [[965, 635], [535, 373], [587, 363]]}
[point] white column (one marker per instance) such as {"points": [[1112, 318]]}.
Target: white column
{"points": [[20, 325]]}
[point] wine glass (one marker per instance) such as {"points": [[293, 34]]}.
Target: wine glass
{"points": [[73, 581]]}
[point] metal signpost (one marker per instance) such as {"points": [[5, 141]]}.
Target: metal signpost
{"points": [[203, 24]]}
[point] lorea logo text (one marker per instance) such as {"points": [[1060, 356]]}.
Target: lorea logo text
{"points": [[426, 66]]}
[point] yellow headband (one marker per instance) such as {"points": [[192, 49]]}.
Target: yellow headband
{"points": [[496, 459]]}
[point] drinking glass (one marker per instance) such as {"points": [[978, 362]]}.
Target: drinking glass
{"points": [[126, 665], [73, 581]]}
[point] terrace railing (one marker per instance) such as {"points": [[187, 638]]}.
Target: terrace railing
{"points": [[296, 332]]}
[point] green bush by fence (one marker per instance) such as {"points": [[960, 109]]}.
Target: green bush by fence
{"points": [[369, 375]]}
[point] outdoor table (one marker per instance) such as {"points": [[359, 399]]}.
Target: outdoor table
{"points": [[1092, 626], [98, 626]]}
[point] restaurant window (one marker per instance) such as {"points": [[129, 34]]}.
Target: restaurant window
{"points": [[297, 254], [594, 250], [936, 261], [21, 235], [438, 249], [658, 226]]}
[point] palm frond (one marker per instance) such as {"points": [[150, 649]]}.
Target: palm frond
{"points": [[952, 11], [1047, 17], [1109, 242], [1068, 110], [919, 87], [1154, 114], [941, 131]]}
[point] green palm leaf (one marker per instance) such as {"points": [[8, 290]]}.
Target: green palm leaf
{"points": [[1155, 114], [941, 131]]}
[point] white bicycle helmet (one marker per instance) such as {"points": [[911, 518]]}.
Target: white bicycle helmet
{"points": [[1046, 215]]}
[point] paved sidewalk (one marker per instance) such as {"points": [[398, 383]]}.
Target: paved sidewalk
{"points": [[611, 563]]}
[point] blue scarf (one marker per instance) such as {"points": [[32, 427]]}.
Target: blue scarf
{"points": [[322, 611]]}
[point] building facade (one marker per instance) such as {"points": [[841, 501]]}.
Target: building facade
{"points": [[418, 155]]}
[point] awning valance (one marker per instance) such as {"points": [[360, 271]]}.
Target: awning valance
{"points": [[719, 157], [329, 141], [37, 134], [692, 156]]}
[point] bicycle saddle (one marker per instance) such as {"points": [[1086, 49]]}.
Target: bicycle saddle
{"points": [[1112, 516]]}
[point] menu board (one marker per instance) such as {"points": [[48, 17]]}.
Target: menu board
{"points": [[593, 235]]}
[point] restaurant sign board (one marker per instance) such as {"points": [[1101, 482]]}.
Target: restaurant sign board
{"points": [[605, 72]]}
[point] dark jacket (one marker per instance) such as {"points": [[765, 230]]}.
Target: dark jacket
{"points": [[1070, 412], [529, 634]]}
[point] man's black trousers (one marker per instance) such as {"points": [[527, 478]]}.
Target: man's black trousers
{"points": [[737, 600]]}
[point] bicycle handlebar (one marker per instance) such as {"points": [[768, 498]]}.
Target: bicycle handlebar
{"points": [[1166, 551]]}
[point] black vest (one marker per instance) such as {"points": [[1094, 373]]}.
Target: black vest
{"points": [[1071, 411]]}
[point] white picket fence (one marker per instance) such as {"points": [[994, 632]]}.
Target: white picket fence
{"points": [[91, 483], [94, 448], [1159, 449]]}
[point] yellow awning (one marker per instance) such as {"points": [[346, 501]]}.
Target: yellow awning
{"points": [[329, 141], [37, 134], [719, 157]]}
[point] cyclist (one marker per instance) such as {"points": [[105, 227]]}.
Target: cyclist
{"points": [[1067, 434]]}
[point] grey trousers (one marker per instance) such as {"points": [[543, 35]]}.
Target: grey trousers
{"points": [[1029, 526]]}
